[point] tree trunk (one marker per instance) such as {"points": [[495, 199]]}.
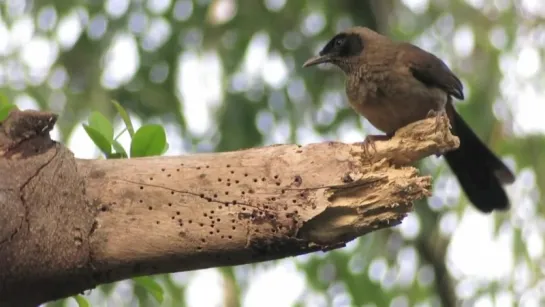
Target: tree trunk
{"points": [[68, 225]]}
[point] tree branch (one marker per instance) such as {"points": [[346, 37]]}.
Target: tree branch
{"points": [[433, 248], [71, 224]]}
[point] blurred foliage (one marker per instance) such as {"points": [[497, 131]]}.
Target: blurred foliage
{"points": [[4, 110], [254, 106]]}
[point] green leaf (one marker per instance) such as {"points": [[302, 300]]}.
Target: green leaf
{"points": [[119, 149], [100, 141], [3, 100], [151, 286], [149, 140], [107, 289], [231, 287], [82, 302], [125, 116], [4, 110], [102, 125]]}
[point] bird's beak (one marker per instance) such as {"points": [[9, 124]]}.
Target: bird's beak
{"points": [[315, 60]]}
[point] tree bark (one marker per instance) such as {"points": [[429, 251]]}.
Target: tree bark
{"points": [[68, 225]]}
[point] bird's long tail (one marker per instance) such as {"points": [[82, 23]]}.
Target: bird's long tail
{"points": [[480, 172]]}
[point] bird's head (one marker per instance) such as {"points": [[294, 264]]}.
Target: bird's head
{"points": [[345, 49]]}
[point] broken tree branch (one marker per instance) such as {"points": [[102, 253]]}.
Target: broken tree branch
{"points": [[68, 224]]}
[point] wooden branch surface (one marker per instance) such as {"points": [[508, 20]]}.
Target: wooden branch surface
{"points": [[100, 221]]}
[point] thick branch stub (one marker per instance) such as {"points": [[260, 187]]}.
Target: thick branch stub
{"points": [[21, 126], [45, 220]]}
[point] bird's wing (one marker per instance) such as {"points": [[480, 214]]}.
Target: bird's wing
{"points": [[430, 70]]}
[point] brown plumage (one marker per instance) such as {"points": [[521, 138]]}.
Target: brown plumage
{"points": [[393, 84]]}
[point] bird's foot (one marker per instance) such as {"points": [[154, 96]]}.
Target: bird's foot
{"points": [[370, 142], [438, 117]]}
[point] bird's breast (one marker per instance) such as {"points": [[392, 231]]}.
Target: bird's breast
{"points": [[391, 100]]}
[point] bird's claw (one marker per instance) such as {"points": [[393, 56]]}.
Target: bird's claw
{"points": [[370, 142], [431, 113], [438, 117]]}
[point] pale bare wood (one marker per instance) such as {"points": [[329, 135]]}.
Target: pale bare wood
{"points": [[169, 214], [206, 210]]}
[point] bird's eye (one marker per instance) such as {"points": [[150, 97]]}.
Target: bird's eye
{"points": [[339, 42]]}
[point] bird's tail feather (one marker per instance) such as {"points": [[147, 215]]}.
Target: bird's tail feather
{"points": [[480, 172]]}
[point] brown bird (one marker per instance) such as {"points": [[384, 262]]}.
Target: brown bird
{"points": [[393, 84]]}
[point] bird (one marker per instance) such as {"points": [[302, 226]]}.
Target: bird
{"points": [[394, 83]]}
